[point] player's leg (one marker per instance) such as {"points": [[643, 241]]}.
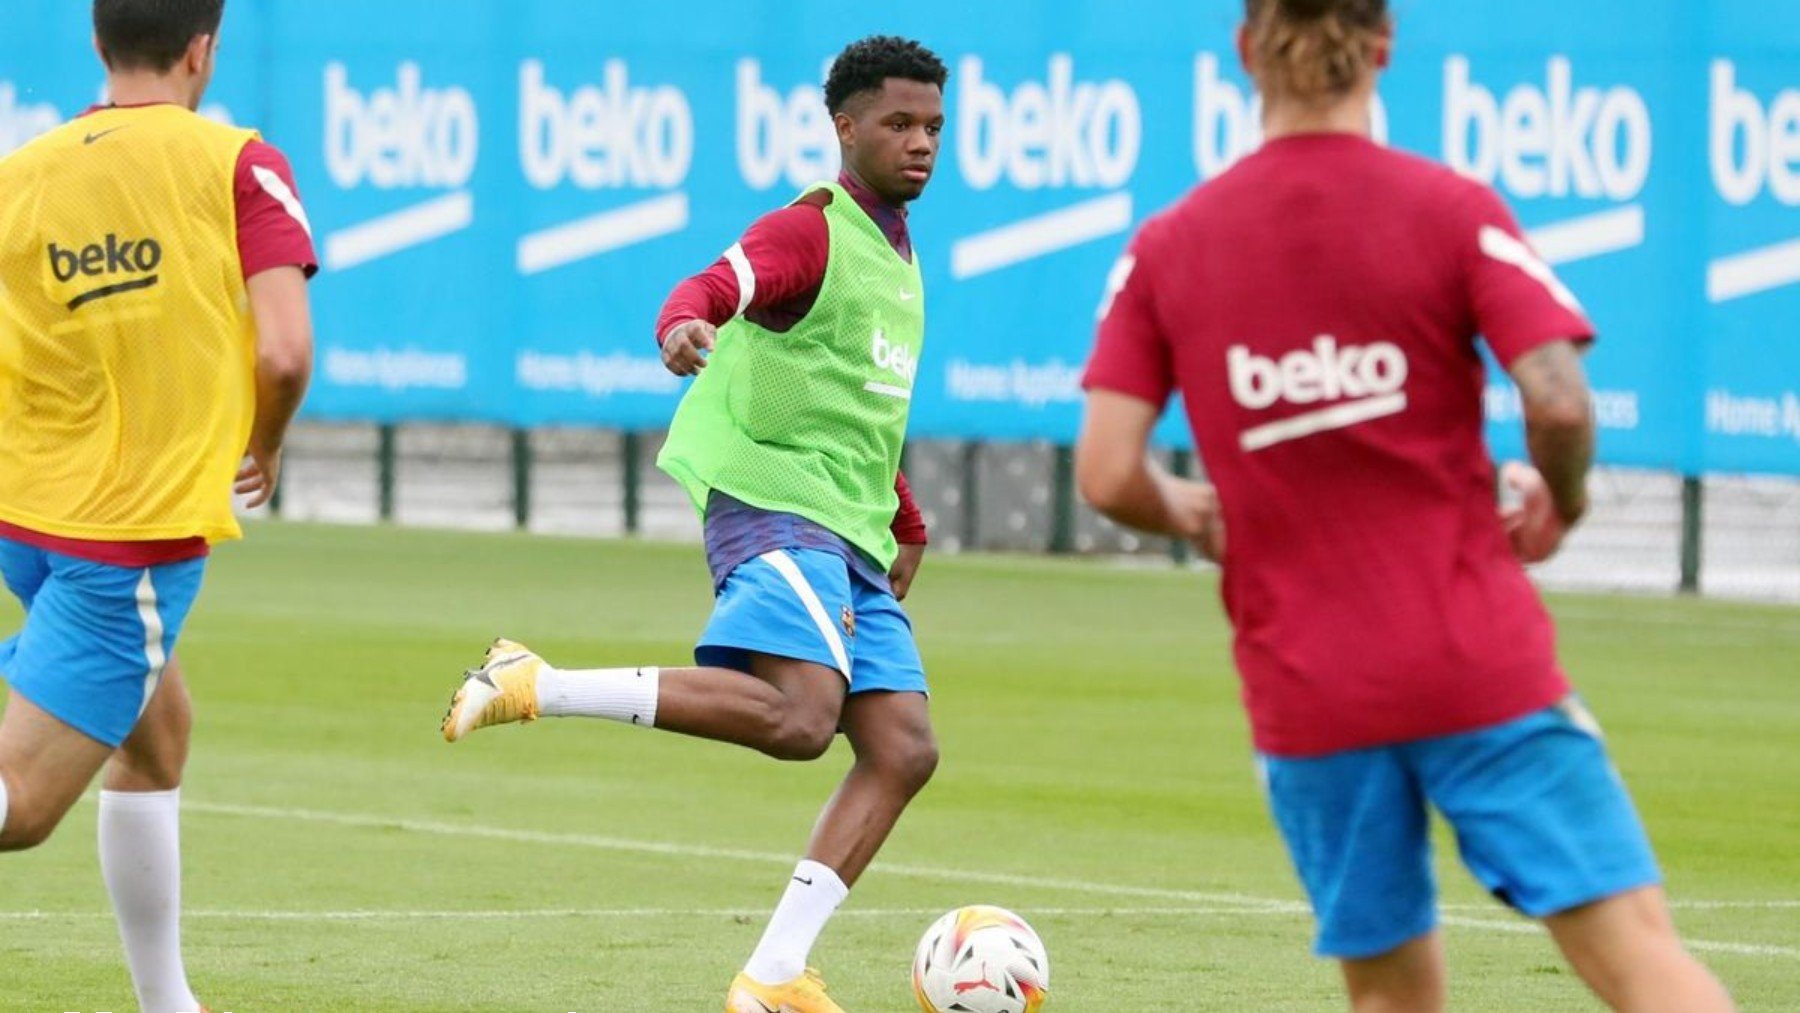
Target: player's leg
{"points": [[140, 845], [887, 720], [81, 669], [1626, 948], [1406, 979], [771, 620], [1543, 820], [1355, 825], [45, 765]]}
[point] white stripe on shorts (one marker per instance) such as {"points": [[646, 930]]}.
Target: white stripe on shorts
{"points": [[153, 638], [784, 565]]}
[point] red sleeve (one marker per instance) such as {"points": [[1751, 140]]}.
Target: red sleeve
{"points": [[1517, 302], [272, 227], [909, 522], [1131, 354], [782, 257]]}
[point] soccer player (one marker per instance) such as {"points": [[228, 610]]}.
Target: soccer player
{"points": [[154, 343], [789, 443], [1317, 307]]}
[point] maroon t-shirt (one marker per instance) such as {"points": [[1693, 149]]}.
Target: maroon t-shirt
{"points": [[1317, 307]]}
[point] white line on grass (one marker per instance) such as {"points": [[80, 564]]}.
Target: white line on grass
{"points": [[727, 854], [1703, 945], [376, 915], [1244, 903]]}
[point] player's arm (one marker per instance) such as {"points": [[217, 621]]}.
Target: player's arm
{"points": [[909, 532], [1129, 379], [1559, 433], [781, 257], [1537, 330], [1116, 475], [276, 251], [284, 350]]}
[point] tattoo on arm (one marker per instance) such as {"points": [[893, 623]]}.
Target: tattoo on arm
{"points": [[1559, 421]]}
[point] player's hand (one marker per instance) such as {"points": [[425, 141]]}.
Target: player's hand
{"points": [[684, 348], [906, 565], [1194, 508], [257, 476], [1532, 523]]}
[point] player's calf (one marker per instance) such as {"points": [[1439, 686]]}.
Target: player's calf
{"points": [[1627, 950]]}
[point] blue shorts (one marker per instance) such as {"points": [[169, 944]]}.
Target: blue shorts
{"points": [[1541, 819], [96, 637], [807, 604]]}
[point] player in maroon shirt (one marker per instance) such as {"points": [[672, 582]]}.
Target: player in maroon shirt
{"points": [[1317, 307]]}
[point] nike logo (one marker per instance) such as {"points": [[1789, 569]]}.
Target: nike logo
{"points": [[906, 296], [91, 138], [803, 882]]}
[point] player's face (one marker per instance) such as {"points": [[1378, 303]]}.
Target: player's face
{"points": [[891, 142]]}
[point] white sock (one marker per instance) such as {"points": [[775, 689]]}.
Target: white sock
{"points": [[812, 897], [621, 694], [140, 857], [2, 804]]}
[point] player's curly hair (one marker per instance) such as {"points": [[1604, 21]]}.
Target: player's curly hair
{"points": [[866, 63]]}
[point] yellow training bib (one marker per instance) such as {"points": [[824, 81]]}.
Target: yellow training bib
{"points": [[127, 348]]}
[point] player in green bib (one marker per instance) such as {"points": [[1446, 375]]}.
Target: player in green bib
{"points": [[805, 338]]}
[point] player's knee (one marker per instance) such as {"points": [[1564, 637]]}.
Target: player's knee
{"points": [[798, 734], [805, 739], [26, 826], [148, 770], [913, 763]]}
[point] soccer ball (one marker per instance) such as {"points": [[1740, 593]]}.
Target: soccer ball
{"points": [[981, 960]]}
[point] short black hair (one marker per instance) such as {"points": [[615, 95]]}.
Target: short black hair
{"points": [[866, 63], [152, 34]]}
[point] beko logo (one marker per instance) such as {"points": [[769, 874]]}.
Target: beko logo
{"points": [[1557, 140], [395, 138], [613, 135], [1754, 148], [782, 137], [1056, 133], [127, 265], [1361, 382]]}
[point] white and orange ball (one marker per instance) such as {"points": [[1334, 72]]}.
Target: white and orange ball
{"points": [[981, 959]]}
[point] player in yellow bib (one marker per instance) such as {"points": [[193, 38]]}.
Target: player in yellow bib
{"points": [[155, 342]]}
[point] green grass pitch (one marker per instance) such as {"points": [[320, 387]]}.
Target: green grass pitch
{"points": [[1096, 778]]}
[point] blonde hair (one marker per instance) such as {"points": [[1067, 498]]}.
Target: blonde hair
{"points": [[1313, 50]]}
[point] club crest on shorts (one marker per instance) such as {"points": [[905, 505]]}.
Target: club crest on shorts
{"points": [[848, 618]]}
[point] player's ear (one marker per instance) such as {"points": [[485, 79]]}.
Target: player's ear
{"points": [[98, 48], [1244, 50], [846, 128], [199, 54]]}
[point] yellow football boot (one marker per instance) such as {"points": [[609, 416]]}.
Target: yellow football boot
{"points": [[503, 690], [805, 994]]}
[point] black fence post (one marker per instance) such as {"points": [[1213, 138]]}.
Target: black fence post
{"points": [[971, 499], [1692, 503], [631, 467], [521, 478], [1062, 501], [385, 466]]}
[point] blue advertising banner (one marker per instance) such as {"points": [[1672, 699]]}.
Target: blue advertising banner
{"points": [[504, 193]]}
